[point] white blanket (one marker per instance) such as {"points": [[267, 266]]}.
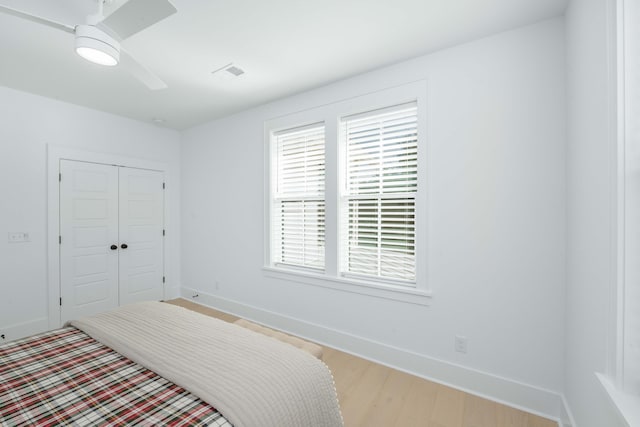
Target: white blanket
{"points": [[253, 380]]}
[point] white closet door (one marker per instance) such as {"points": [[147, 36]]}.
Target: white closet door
{"points": [[141, 235], [89, 235]]}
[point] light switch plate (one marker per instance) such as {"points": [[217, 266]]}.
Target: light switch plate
{"points": [[18, 237]]}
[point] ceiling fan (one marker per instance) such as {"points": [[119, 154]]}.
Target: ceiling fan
{"points": [[99, 39]]}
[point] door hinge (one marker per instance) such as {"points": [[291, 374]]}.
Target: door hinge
{"points": [[60, 301], [163, 232], [59, 177], [163, 187], [59, 240], [163, 279]]}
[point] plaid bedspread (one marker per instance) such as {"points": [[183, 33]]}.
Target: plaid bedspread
{"points": [[65, 377]]}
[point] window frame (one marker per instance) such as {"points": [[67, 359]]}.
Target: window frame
{"points": [[613, 380], [346, 196], [278, 196], [331, 115]]}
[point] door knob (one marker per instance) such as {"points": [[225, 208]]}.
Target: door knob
{"points": [[114, 247], [124, 246]]}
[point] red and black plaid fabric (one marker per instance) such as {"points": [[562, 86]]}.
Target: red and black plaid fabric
{"points": [[65, 377]]}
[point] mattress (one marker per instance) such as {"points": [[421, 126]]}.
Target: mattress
{"points": [[65, 377]]}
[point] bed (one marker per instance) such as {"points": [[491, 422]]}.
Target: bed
{"points": [[159, 364]]}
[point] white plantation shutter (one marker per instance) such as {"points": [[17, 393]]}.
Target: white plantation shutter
{"points": [[298, 206], [378, 232]]}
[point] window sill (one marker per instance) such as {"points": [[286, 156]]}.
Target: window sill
{"points": [[627, 405], [395, 293]]}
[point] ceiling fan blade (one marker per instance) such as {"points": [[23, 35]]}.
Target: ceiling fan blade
{"points": [[38, 19], [140, 72], [136, 15]]}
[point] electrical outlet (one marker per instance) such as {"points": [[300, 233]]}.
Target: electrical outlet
{"points": [[460, 344], [217, 284], [3, 337]]}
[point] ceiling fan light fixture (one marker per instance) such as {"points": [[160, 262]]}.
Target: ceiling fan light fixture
{"points": [[97, 46]]}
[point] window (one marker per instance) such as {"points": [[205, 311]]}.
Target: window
{"points": [[622, 379], [380, 186], [630, 206], [345, 195], [298, 205]]}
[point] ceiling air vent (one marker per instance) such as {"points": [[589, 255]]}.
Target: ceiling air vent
{"points": [[229, 71], [235, 70]]}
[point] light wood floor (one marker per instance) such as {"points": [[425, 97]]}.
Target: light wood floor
{"points": [[373, 395]]}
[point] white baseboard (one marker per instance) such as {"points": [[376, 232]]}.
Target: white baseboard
{"points": [[536, 400], [566, 416], [171, 292], [25, 329]]}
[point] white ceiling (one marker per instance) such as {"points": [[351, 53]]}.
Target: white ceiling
{"points": [[284, 46]]}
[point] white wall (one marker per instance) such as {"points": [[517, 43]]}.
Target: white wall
{"points": [[496, 220], [27, 124], [590, 212]]}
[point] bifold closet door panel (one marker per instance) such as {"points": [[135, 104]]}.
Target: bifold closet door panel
{"points": [[141, 235], [88, 238]]}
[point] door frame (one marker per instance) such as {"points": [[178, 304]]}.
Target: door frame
{"points": [[54, 155]]}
